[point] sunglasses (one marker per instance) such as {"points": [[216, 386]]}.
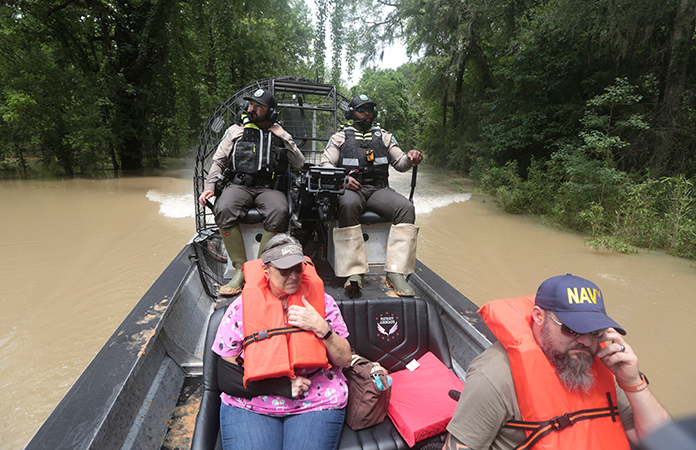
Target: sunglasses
{"points": [[362, 109], [567, 331], [286, 272]]}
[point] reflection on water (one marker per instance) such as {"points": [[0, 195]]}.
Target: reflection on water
{"points": [[76, 256]]}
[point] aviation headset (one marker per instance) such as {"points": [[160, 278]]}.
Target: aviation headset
{"points": [[357, 102]]}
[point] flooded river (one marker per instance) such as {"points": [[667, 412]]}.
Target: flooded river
{"points": [[77, 255]]}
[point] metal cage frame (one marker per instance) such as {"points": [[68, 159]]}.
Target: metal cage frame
{"points": [[308, 111]]}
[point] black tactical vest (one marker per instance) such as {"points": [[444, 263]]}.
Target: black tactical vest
{"points": [[258, 158], [366, 153]]}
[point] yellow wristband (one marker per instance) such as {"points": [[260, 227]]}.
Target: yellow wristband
{"points": [[636, 387]]}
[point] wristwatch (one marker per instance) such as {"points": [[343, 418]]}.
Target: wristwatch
{"points": [[328, 333]]}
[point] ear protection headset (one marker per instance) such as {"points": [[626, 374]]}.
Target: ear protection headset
{"points": [[271, 114], [359, 100], [349, 113]]}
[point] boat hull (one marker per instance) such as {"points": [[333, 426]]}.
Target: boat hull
{"points": [[142, 390]]}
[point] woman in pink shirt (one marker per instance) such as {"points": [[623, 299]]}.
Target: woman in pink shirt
{"points": [[306, 411]]}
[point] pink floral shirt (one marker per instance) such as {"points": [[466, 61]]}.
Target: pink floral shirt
{"points": [[328, 389]]}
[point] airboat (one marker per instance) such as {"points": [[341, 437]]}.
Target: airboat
{"points": [[152, 385]]}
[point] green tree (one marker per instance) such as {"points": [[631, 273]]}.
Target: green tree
{"points": [[88, 85], [389, 89]]}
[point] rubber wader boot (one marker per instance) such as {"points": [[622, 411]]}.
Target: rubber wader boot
{"points": [[265, 237], [350, 258], [399, 284], [234, 243], [401, 257], [354, 282]]}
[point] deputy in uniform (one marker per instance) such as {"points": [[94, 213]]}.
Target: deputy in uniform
{"points": [[367, 151], [258, 153]]}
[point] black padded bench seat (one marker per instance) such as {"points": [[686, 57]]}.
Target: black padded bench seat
{"points": [[370, 217], [366, 218], [391, 331], [253, 216]]}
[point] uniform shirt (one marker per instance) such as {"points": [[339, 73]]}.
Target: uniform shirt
{"points": [[221, 158], [489, 400], [328, 389], [397, 158]]}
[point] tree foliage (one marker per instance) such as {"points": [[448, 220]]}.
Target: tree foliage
{"points": [[509, 80], [89, 84], [396, 113], [581, 111]]}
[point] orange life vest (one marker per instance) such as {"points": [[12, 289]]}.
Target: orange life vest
{"points": [[278, 355], [553, 417]]}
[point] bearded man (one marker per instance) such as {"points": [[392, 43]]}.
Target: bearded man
{"points": [[560, 376], [257, 152]]}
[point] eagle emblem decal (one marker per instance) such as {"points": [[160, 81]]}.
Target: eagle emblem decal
{"points": [[387, 326]]}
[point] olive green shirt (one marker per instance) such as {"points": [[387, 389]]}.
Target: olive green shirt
{"points": [[489, 401]]}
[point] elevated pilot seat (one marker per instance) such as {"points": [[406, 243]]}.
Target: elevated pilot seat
{"points": [[391, 331], [252, 230]]}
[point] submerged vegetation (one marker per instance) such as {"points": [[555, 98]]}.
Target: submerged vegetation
{"points": [[582, 112]]}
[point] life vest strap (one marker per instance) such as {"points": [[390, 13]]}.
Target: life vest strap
{"points": [[265, 334], [541, 429]]}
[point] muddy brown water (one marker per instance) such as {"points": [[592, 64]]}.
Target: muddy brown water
{"points": [[77, 255]]}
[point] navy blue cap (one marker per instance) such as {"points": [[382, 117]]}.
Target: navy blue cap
{"points": [[577, 302]]}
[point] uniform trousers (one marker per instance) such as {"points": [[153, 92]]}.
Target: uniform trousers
{"points": [[384, 201], [236, 201]]}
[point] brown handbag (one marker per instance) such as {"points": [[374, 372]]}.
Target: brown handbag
{"points": [[369, 389]]}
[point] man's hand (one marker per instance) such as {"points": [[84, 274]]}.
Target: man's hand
{"points": [[300, 385], [276, 129], [205, 195], [353, 184], [648, 413], [415, 156], [619, 358]]}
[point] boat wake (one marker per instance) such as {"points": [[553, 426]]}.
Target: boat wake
{"points": [[425, 205], [177, 206]]}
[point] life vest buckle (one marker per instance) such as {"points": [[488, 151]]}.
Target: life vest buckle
{"points": [[561, 422], [260, 335]]}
